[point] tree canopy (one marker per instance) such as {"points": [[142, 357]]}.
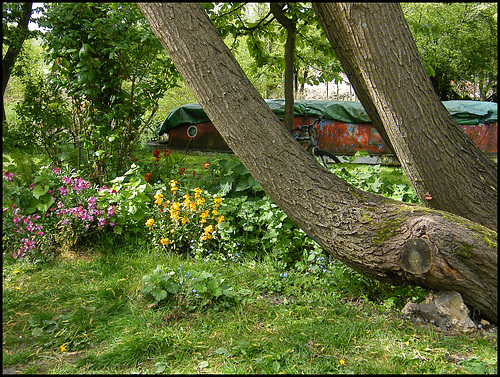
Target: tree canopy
{"points": [[459, 42]]}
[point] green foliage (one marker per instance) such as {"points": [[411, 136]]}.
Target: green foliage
{"points": [[264, 39], [458, 42], [188, 289], [114, 70], [44, 117], [389, 182], [231, 178], [130, 196]]}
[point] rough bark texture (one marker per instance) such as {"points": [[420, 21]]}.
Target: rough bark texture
{"points": [[380, 57], [367, 232], [10, 57]]}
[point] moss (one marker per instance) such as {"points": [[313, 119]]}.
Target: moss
{"points": [[366, 217], [466, 252], [487, 235], [386, 229]]}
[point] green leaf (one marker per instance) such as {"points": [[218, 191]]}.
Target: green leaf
{"points": [[138, 215], [159, 294], [159, 368], [39, 191]]}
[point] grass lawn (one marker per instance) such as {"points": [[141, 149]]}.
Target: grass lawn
{"points": [[84, 313]]}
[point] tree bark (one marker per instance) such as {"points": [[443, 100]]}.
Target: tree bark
{"points": [[380, 57], [14, 49], [289, 25], [381, 238]]}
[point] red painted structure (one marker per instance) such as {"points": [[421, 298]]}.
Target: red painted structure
{"points": [[337, 137]]}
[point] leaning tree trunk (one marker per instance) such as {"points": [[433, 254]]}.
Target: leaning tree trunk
{"points": [[380, 57], [381, 238]]}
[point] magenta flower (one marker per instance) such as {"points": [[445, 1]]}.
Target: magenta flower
{"points": [[9, 176]]}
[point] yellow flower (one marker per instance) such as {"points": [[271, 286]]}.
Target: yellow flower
{"points": [[15, 271], [185, 220], [204, 216], [214, 212], [164, 241], [342, 362], [62, 348], [150, 222], [158, 199], [208, 233], [197, 192], [200, 201], [174, 211], [173, 186], [220, 219], [217, 201]]}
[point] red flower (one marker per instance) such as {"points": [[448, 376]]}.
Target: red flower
{"points": [[156, 153], [182, 171], [206, 164], [194, 173], [147, 177]]}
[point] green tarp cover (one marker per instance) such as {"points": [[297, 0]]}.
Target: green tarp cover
{"points": [[464, 112]]}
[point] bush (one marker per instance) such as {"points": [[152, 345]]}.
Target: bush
{"points": [[187, 289]]}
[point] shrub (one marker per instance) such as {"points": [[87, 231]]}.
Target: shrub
{"points": [[187, 289]]}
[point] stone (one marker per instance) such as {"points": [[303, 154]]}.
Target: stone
{"points": [[444, 309]]}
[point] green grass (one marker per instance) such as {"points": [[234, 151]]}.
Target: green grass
{"points": [[92, 306]]}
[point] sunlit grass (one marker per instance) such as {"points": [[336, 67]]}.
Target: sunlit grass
{"points": [[91, 305]]}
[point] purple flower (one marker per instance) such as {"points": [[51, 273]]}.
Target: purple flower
{"points": [[111, 212], [9, 176], [35, 217], [91, 201], [63, 191], [30, 227]]}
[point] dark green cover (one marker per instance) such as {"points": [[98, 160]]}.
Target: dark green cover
{"points": [[464, 112]]}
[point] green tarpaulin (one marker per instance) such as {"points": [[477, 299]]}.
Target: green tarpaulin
{"points": [[464, 112]]}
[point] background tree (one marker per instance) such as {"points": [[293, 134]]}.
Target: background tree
{"points": [[459, 42], [306, 56], [111, 66], [380, 238], [13, 37]]}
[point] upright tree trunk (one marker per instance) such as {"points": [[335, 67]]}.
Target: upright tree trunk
{"points": [[14, 49], [380, 57], [381, 238], [289, 25]]}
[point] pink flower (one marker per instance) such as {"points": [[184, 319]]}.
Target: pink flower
{"points": [[9, 176], [56, 170]]}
